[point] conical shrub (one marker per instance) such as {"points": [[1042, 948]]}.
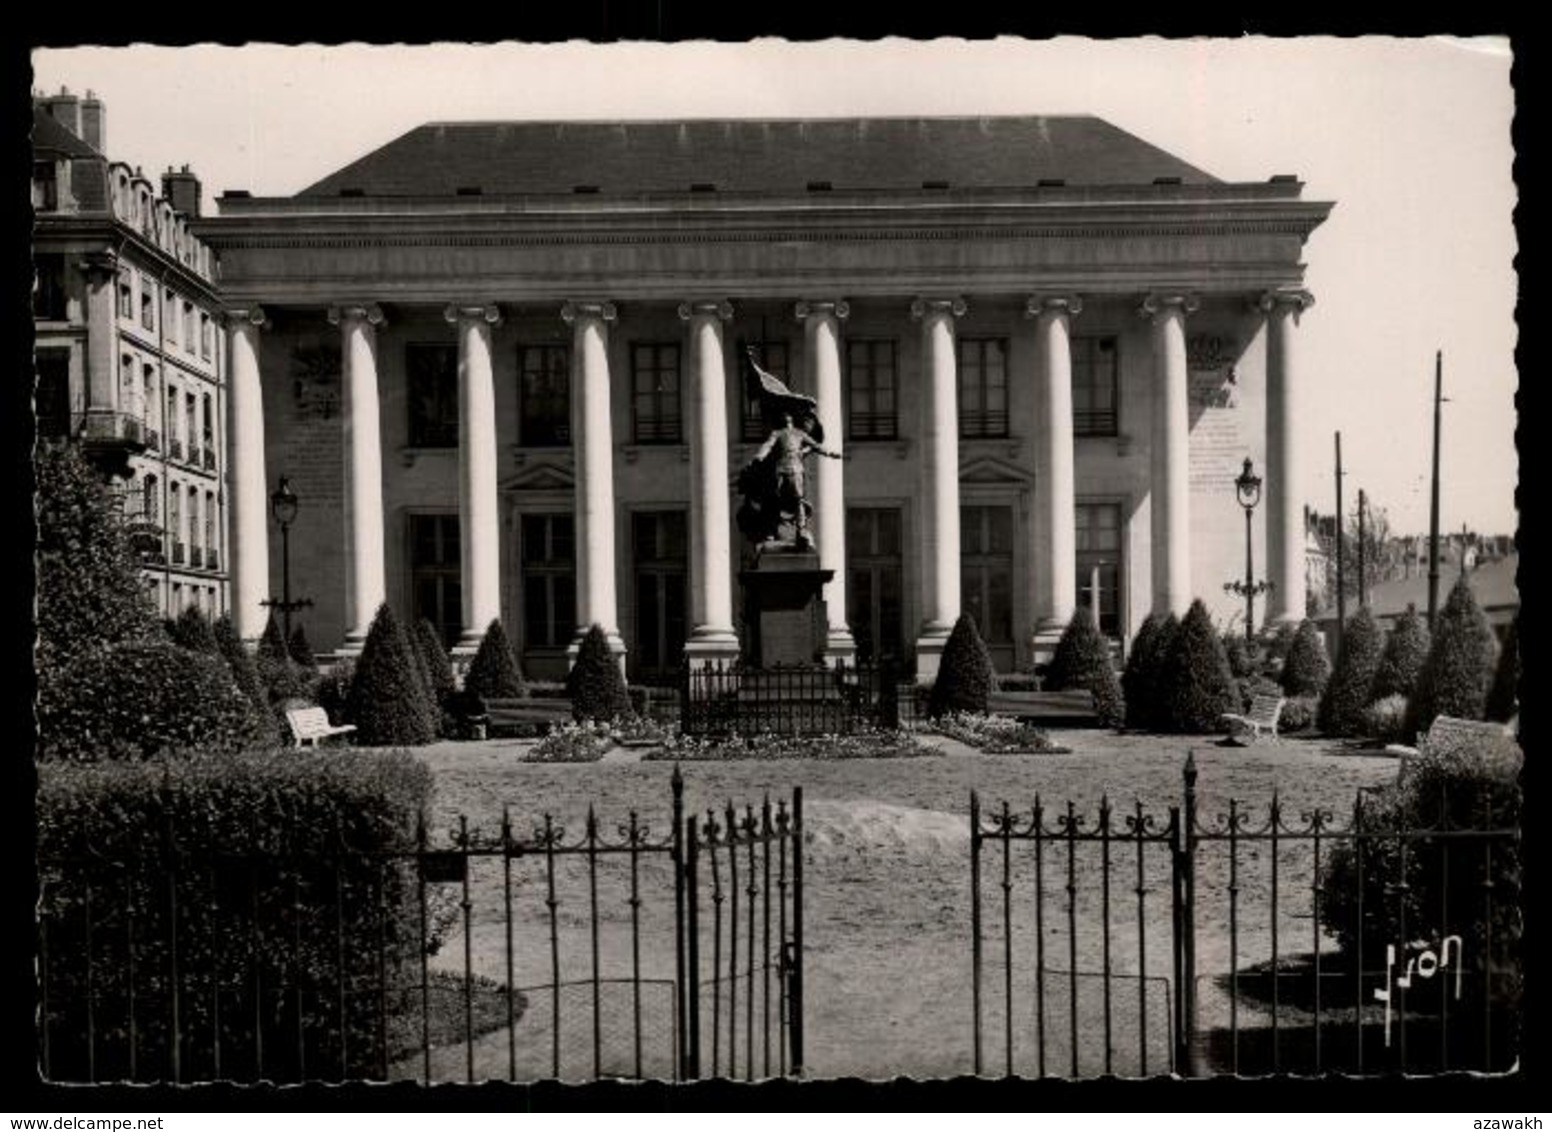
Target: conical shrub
{"points": [[964, 680], [300, 649], [1082, 660], [272, 645], [1132, 679], [1346, 697], [423, 679], [1406, 651], [1503, 700], [1198, 686], [1154, 675], [1306, 668], [438, 665], [387, 698], [595, 683], [493, 673], [191, 630], [244, 672], [1459, 669]]}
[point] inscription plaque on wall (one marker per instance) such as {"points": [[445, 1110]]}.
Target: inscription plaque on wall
{"points": [[315, 381], [1218, 441]]}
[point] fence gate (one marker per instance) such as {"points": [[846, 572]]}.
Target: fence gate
{"points": [[1225, 943], [606, 950]]}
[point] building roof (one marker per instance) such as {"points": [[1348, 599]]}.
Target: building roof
{"points": [[1492, 584], [50, 136], [774, 156]]}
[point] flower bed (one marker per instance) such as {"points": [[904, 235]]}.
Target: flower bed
{"points": [[573, 743], [865, 744], [996, 734]]}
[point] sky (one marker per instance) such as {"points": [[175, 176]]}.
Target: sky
{"points": [[1410, 138]]}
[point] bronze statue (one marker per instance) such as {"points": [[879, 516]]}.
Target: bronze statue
{"points": [[773, 482]]}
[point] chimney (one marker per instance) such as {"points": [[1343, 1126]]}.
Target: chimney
{"points": [[65, 108], [94, 123], [182, 190]]}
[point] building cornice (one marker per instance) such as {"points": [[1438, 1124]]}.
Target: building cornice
{"points": [[126, 242]]}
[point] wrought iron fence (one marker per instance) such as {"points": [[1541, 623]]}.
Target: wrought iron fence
{"points": [[1294, 943], [600, 953], [787, 700]]}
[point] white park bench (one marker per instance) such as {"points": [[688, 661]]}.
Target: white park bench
{"points": [[310, 724], [1447, 732], [1265, 709]]}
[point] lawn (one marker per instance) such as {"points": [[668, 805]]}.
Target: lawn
{"points": [[887, 906]]}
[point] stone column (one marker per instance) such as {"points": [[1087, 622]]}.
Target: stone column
{"points": [[1171, 493], [939, 481], [248, 499], [479, 529], [365, 580], [592, 445], [1284, 507], [711, 635], [1053, 556], [822, 354]]}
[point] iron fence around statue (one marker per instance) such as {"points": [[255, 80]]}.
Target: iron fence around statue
{"points": [[728, 700], [1244, 942], [608, 949]]}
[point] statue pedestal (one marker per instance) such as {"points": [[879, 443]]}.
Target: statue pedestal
{"points": [[783, 610]]}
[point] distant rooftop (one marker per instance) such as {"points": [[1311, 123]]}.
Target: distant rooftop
{"points": [[748, 155]]}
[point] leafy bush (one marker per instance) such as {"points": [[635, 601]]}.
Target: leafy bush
{"points": [[1298, 714], [964, 680], [1082, 660], [333, 690], [583, 742], [438, 665], [191, 629], [1306, 667], [1385, 720], [1196, 686], [387, 698], [1244, 658], [244, 671], [272, 644], [1471, 787], [864, 743], [1252, 686], [1503, 698], [228, 836], [300, 649], [493, 672], [1347, 692], [89, 589], [1455, 679], [132, 701], [1406, 651], [996, 734], [595, 683], [1275, 648]]}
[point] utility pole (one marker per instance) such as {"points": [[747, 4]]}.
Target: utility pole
{"points": [[1363, 589], [1341, 587], [1433, 509]]}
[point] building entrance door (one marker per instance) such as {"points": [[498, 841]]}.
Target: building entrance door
{"points": [[660, 553], [874, 585], [436, 577]]}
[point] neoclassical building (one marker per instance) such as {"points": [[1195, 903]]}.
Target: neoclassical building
{"points": [[497, 361]]}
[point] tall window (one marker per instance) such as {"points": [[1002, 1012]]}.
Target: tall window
{"points": [[1099, 550], [210, 531], [432, 369], [150, 500], [871, 412], [655, 393], [983, 387], [175, 523], [49, 299], [436, 580], [208, 431], [1095, 386], [51, 402], [45, 186], [204, 335], [659, 552], [191, 423], [544, 396], [188, 327], [773, 356], [196, 529], [126, 296], [170, 415], [153, 407], [147, 303], [549, 581], [986, 576], [874, 589]]}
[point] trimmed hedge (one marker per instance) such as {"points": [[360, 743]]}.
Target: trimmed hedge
{"points": [[1082, 660], [133, 701], [1306, 668], [1406, 651], [595, 683], [1298, 714], [1503, 698], [387, 697], [438, 665], [1144, 667], [964, 681], [191, 629], [1347, 692], [1455, 679], [1197, 688], [493, 673], [235, 840]]}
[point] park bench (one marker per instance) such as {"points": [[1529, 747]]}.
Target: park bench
{"points": [[310, 724], [1447, 732], [537, 713], [1071, 706], [1265, 710]]}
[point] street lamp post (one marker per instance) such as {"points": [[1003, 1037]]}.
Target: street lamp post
{"points": [[1247, 486], [283, 505]]}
